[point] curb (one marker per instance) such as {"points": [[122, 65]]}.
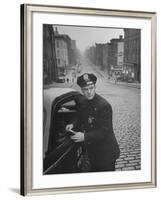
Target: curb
{"points": [[118, 83], [127, 85]]}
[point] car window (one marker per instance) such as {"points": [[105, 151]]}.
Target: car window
{"points": [[63, 155], [69, 106], [65, 112]]}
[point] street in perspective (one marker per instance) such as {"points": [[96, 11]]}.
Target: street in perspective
{"points": [[115, 60]]}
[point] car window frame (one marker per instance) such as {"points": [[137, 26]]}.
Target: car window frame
{"points": [[60, 99]]}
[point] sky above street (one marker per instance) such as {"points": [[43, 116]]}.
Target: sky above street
{"points": [[88, 36]]}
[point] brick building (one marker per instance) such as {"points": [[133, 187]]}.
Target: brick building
{"points": [[132, 54], [49, 56], [62, 49]]}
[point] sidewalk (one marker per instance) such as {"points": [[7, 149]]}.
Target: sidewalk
{"points": [[112, 81]]}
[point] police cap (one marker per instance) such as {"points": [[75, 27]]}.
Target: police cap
{"points": [[86, 79]]}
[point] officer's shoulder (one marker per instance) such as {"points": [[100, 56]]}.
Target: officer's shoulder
{"points": [[102, 102]]}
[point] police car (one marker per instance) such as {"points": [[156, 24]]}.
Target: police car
{"points": [[61, 154]]}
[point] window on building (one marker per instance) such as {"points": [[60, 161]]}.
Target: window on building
{"points": [[57, 44], [58, 61], [61, 44], [120, 53], [58, 53]]}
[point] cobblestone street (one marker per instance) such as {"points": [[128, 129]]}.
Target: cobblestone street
{"points": [[125, 102], [126, 121]]}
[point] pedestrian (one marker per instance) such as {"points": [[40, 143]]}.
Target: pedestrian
{"points": [[115, 79], [67, 80], [95, 129]]}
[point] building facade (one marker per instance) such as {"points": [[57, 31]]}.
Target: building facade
{"points": [[99, 55], [105, 57], [117, 56], [132, 62], [73, 53], [91, 54], [109, 57], [62, 48], [50, 72]]}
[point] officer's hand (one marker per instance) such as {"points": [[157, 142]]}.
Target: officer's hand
{"points": [[78, 137], [69, 127]]}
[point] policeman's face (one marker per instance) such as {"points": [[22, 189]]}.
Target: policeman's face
{"points": [[89, 91]]}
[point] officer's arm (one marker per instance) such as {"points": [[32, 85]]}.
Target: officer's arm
{"points": [[104, 126]]}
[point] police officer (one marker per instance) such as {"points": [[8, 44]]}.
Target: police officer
{"points": [[96, 129]]}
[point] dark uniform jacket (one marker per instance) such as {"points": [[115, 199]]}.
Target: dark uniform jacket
{"points": [[100, 141]]}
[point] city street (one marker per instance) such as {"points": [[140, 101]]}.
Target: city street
{"points": [[125, 102]]}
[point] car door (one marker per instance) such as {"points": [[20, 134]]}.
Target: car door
{"points": [[63, 155]]}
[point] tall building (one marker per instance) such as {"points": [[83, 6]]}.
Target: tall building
{"points": [[49, 55], [73, 53], [99, 55], [62, 48], [117, 56], [105, 57], [91, 54], [109, 58], [132, 54]]}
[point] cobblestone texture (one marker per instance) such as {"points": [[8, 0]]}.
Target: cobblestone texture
{"points": [[125, 102]]}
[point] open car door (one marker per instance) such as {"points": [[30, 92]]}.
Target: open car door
{"points": [[63, 155]]}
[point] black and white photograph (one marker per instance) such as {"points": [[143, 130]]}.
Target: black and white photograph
{"points": [[88, 100], [91, 99]]}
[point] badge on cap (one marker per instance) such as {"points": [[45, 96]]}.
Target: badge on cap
{"points": [[85, 77]]}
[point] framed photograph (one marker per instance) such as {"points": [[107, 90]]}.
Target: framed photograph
{"points": [[88, 99]]}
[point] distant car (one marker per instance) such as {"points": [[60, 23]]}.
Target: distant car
{"points": [[119, 78], [130, 80], [61, 79], [62, 74], [61, 154]]}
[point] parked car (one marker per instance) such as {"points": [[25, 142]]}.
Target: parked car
{"points": [[61, 79], [61, 154], [130, 79]]}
